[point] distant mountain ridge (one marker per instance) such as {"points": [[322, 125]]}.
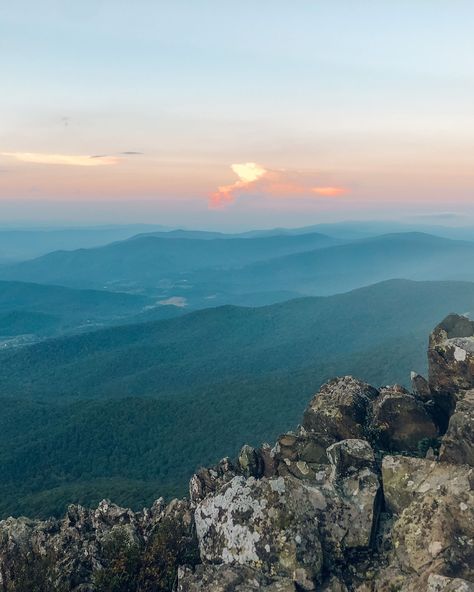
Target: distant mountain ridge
{"points": [[155, 261], [251, 271]]}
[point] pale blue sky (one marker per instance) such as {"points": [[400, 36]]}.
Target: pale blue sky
{"points": [[373, 97]]}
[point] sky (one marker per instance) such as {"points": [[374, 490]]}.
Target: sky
{"points": [[234, 114]]}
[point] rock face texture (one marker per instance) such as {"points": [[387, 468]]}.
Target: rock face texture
{"points": [[374, 492], [451, 355]]}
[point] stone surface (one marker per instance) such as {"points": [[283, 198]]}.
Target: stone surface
{"points": [[251, 462], [209, 480], [420, 386], [338, 412], [451, 355], [269, 524], [458, 442], [400, 422], [437, 583], [227, 578], [349, 456], [407, 479]]}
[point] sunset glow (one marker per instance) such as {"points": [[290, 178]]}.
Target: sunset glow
{"points": [[62, 159], [220, 122]]}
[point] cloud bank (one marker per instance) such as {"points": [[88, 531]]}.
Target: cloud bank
{"points": [[254, 178]]}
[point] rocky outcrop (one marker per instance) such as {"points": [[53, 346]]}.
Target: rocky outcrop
{"points": [[374, 492], [451, 356], [458, 442], [400, 421]]}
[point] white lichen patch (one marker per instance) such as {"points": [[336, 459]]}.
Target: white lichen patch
{"points": [[460, 354], [277, 485], [221, 514]]}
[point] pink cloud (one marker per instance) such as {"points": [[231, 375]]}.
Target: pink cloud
{"points": [[254, 178]]}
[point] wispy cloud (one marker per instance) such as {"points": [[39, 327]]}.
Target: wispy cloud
{"points": [[254, 178], [63, 159]]}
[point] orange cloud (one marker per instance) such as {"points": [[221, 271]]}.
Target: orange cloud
{"points": [[329, 191], [253, 178], [248, 173], [62, 159]]}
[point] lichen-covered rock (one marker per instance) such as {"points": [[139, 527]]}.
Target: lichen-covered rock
{"points": [[228, 578], [407, 479], [338, 412], [269, 524], [436, 533], [451, 355], [420, 386], [433, 532], [352, 500], [400, 421], [349, 456], [88, 546], [251, 462], [209, 480], [458, 442], [437, 583], [278, 524]]}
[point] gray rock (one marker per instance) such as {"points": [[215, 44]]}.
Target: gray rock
{"points": [[437, 583], [228, 578], [251, 462], [349, 456], [338, 412], [407, 479], [451, 356], [209, 480], [458, 442], [400, 422], [269, 524], [420, 386]]}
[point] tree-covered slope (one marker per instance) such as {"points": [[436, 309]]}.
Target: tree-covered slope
{"points": [[42, 310], [105, 413]]}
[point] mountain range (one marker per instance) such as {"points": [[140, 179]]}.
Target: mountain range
{"points": [[203, 272]]}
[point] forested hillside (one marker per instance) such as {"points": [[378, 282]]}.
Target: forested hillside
{"points": [[130, 412]]}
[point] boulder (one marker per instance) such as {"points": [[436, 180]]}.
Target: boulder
{"points": [[458, 442], [435, 535], [451, 356], [407, 479], [251, 462], [352, 500], [269, 524], [437, 583], [338, 412], [209, 480], [350, 456], [420, 386], [400, 421], [283, 525], [433, 530]]}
